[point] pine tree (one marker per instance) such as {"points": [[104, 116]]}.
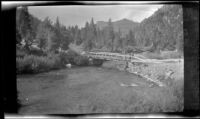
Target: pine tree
{"points": [[118, 41], [111, 34], [24, 28], [66, 38], [45, 35], [131, 38], [56, 41], [90, 35]]}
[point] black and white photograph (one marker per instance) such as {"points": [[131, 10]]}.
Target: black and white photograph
{"points": [[100, 59]]}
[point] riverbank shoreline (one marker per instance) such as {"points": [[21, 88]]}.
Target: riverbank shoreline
{"points": [[152, 71]]}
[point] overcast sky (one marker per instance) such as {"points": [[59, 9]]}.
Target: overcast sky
{"points": [[72, 15]]}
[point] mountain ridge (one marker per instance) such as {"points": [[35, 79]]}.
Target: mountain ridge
{"points": [[124, 25]]}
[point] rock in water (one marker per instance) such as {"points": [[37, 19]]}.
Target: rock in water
{"points": [[68, 65]]}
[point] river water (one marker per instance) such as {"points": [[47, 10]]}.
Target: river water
{"points": [[81, 90]]}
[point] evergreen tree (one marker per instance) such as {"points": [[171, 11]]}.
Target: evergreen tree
{"points": [[45, 35], [56, 41], [90, 35], [24, 27], [65, 39], [111, 34], [131, 38]]}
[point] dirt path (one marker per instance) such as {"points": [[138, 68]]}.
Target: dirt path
{"points": [[92, 90]]}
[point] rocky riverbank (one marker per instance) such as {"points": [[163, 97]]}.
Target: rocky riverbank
{"points": [[154, 71]]}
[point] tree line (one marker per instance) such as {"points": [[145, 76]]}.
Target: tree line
{"points": [[163, 29], [51, 36]]}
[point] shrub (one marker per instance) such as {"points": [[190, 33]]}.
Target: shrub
{"points": [[73, 58], [98, 62], [21, 65], [81, 61], [35, 64], [56, 61], [64, 58], [37, 52], [20, 53], [36, 61], [67, 57]]}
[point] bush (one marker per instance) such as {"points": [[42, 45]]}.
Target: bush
{"points": [[81, 61], [35, 64], [73, 58], [98, 62], [20, 53], [36, 61], [68, 57], [64, 58], [37, 52], [71, 55]]}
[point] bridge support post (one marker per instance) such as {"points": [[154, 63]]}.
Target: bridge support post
{"points": [[126, 66]]}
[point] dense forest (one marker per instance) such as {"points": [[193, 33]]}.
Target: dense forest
{"points": [[163, 31]]}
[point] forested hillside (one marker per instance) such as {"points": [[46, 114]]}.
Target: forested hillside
{"points": [[164, 29]]}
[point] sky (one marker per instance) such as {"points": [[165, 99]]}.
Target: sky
{"points": [[78, 15]]}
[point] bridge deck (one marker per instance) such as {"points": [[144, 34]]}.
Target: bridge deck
{"points": [[126, 57]]}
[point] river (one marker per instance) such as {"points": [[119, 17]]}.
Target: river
{"points": [[81, 90]]}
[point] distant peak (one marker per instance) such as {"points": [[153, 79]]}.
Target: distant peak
{"points": [[125, 19]]}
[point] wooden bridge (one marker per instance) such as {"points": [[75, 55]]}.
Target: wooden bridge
{"points": [[110, 56], [125, 57]]}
